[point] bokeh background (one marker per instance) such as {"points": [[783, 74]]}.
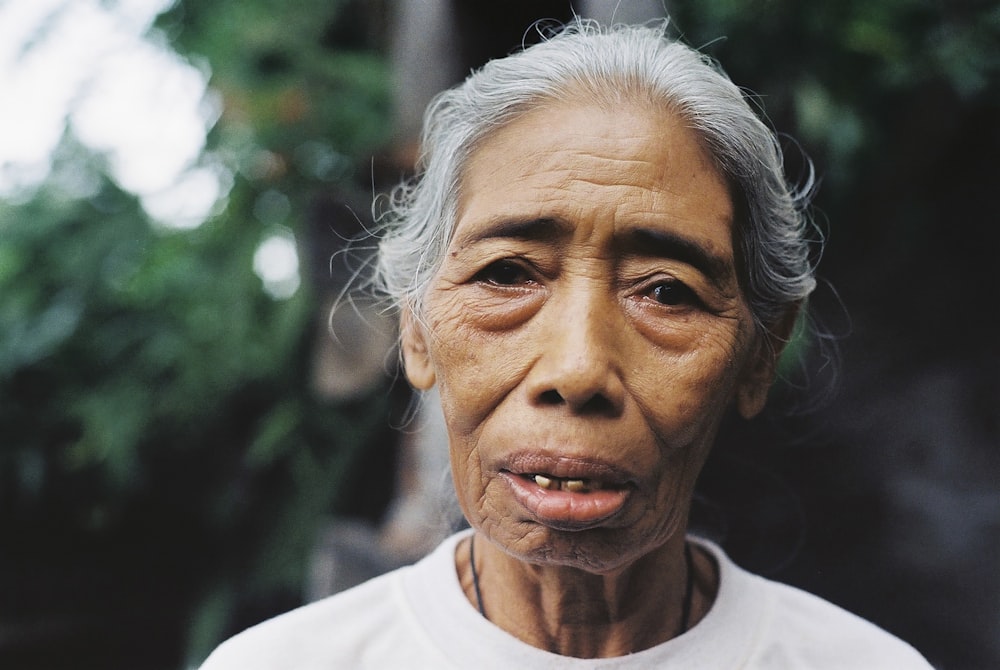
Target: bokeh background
{"points": [[186, 449]]}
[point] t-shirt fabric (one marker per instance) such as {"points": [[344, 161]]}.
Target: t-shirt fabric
{"points": [[418, 617]]}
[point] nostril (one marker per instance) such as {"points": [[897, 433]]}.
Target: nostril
{"points": [[551, 397], [597, 404]]}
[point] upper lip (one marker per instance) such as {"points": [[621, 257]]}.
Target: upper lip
{"points": [[568, 467]]}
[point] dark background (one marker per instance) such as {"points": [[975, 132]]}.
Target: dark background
{"points": [[168, 459]]}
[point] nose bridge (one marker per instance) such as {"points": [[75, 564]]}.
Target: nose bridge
{"points": [[582, 347], [586, 322]]}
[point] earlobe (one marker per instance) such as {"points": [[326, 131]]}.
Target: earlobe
{"points": [[416, 356], [751, 396], [756, 382]]}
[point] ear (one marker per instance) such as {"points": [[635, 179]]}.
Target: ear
{"points": [[758, 376], [416, 357]]}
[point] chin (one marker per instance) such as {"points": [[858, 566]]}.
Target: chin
{"points": [[598, 551]]}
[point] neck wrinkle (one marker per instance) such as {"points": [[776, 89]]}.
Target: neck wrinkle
{"points": [[570, 612]]}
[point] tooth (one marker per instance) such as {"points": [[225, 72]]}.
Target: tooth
{"points": [[543, 481], [574, 485]]}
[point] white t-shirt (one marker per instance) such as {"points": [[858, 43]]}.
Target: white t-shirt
{"points": [[418, 617]]}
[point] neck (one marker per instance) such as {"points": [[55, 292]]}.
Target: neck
{"points": [[572, 612]]}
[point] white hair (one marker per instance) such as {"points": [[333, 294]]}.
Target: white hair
{"points": [[607, 65]]}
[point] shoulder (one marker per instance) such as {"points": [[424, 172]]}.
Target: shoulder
{"points": [[376, 624], [315, 635], [807, 630], [796, 629]]}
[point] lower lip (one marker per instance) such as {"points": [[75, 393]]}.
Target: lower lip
{"points": [[565, 510]]}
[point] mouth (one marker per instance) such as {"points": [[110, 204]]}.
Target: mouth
{"points": [[550, 482], [577, 496]]}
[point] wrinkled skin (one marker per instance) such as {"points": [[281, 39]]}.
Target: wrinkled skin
{"points": [[586, 324]]}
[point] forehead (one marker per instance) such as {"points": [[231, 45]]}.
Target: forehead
{"points": [[608, 169]]}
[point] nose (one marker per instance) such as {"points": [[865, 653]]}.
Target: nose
{"points": [[579, 365]]}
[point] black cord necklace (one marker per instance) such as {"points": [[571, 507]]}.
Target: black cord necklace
{"points": [[685, 603], [688, 590], [475, 576]]}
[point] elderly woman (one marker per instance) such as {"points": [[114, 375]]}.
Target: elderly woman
{"points": [[599, 259]]}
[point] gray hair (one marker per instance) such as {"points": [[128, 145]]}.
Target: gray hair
{"points": [[607, 64]]}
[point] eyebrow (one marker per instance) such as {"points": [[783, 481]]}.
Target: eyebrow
{"points": [[543, 229], [665, 244]]}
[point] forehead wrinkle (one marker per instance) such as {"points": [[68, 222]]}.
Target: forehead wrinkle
{"points": [[637, 177], [591, 162]]}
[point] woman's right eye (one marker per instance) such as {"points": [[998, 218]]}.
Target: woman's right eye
{"points": [[503, 273]]}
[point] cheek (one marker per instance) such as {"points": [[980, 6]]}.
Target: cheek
{"points": [[456, 348], [468, 387], [475, 372], [688, 389], [464, 477], [465, 387]]}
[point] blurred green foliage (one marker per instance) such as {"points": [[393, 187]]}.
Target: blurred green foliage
{"points": [[832, 74], [156, 407]]}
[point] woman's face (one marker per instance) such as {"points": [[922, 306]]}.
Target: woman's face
{"points": [[587, 333]]}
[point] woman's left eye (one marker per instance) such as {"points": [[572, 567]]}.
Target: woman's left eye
{"points": [[672, 293]]}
